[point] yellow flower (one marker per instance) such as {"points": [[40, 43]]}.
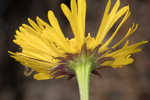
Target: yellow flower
{"points": [[47, 52]]}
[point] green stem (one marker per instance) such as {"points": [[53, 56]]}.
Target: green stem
{"points": [[83, 66], [83, 77]]}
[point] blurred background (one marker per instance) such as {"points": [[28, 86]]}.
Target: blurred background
{"points": [[129, 83]]}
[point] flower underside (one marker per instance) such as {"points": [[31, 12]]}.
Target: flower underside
{"points": [[67, 63], [48, 53]]}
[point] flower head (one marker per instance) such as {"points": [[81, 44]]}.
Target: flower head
{"points": [[48, 53]]}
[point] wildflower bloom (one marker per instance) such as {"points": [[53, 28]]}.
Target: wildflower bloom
{"points": [[51, 55]]}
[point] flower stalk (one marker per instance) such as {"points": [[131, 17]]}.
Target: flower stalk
{"points": [[83, 67], [83, 78]]}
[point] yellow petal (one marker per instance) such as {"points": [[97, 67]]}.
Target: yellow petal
{"points": [[66, 11], [110, 19], [106, 11], [31, 42], [42, 76], [81, 17], [37, 65], [53, 21], [90, 42], [123, 56], [71, 16], [130, 32], [120, 13], [76, 18], [61, 40], [42, 24], [34, 25], [74, 7], [28, 28]]}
